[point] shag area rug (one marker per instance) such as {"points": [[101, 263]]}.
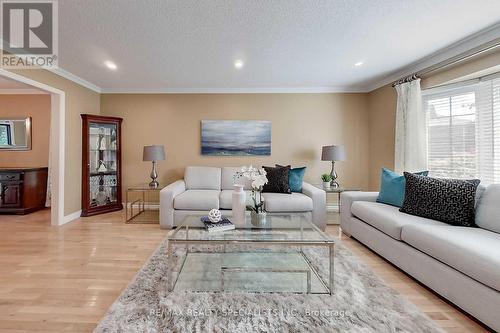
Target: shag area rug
{"points": [[362, 302]]}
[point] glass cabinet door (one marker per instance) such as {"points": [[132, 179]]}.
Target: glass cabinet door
{"points": [[103, 144], [101, 188]]}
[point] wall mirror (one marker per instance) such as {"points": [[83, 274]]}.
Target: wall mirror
{"points": [[15, 133]]}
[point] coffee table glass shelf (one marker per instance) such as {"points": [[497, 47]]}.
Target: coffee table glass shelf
{"points": [[265, 258]]}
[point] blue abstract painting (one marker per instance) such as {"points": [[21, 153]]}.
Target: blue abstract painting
{"points": [[235, 137]]}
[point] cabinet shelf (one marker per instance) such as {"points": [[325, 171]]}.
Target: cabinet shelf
{"points": [[97, 134], [107, 173]]}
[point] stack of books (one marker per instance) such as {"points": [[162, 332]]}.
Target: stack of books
{"points": [[222, 225]]}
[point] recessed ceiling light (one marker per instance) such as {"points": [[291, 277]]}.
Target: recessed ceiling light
{"points": [[238, 64], [111, 65], [359, 63]]}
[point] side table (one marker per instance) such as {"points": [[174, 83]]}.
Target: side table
{"points": [[335, 190], [142, 204]]}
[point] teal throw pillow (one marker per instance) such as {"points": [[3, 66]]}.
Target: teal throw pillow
{"points": [[392, 187], [295, 178]]}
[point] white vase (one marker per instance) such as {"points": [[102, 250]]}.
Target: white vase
{"points": [[239, 207], [326, 185]]}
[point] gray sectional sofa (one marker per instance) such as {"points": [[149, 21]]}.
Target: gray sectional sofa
{"points": [[462, 264], [204, 188]]}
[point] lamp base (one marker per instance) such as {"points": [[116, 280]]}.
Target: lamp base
{"points": [[333, 174], [334, 184], [154, 175]]}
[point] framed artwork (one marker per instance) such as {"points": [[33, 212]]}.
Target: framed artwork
{"points": [[236, 137]]}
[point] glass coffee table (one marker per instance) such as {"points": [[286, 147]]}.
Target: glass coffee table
{"points": [[274, 257]]}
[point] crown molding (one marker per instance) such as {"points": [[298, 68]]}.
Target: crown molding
{"points": [[473, 41], [270, 90], [25, 91], [67, 75], [76, 79]]}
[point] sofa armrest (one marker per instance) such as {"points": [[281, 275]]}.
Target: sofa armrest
{"points": [[167, 196], [346, 200], [318, 197]]}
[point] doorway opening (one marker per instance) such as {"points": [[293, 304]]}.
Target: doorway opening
{"points": [[13, 83]]}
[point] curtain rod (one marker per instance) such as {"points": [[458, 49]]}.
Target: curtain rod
{"points": [[475, 52]]}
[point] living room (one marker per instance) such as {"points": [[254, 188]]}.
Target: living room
{"points": [[350, 145]]}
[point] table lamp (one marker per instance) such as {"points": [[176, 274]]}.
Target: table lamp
{"points": [[153, 153], [333, 153]]}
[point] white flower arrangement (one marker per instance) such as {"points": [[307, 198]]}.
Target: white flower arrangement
{"points": [[259, 179]]}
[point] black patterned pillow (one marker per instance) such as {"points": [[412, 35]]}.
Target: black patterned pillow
{"points": [[277, 180], [447, 200]]}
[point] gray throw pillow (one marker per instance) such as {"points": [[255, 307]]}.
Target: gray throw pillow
{"points": [[450, 201], [488, 209]]}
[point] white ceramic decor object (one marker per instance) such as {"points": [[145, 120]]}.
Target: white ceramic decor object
{"points": [[239, 207], [214, 215]]}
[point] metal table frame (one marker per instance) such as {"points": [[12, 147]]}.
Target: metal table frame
{"points": [[328, 243], [139, 203], [336, 190]]}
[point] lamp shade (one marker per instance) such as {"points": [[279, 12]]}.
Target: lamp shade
{"points": [[153, 153], [333, 153]]}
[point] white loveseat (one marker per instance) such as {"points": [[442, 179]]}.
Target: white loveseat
{"points": [[462, 264], [204, 188]]}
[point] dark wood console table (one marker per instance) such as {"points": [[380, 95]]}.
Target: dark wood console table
{"points": [[22, 190]]}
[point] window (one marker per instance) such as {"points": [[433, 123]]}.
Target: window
{"points": [[5, 136], [463, 130]]}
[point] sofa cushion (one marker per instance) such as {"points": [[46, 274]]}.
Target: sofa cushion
{"points": [[197, 200], [472, 251], [386, 218], [448, 200], [228, 180], [295, 177], [202, 178], [392, 187], [282, 202], [226, 199], [277, 180], [488, 209], [479, 193]]}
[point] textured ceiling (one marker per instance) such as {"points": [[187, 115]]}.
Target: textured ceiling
{"points": [[191, 45]]}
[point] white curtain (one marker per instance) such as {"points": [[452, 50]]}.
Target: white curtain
{"points": [[411, 133]]}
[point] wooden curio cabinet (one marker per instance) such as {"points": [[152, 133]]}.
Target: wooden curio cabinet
{"points": [[101, 165]]}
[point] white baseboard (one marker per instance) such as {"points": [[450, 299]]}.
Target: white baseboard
{"points": [[71, 217]]}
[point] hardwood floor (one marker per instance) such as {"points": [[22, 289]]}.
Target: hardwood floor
{"points": [[63, 279]]}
